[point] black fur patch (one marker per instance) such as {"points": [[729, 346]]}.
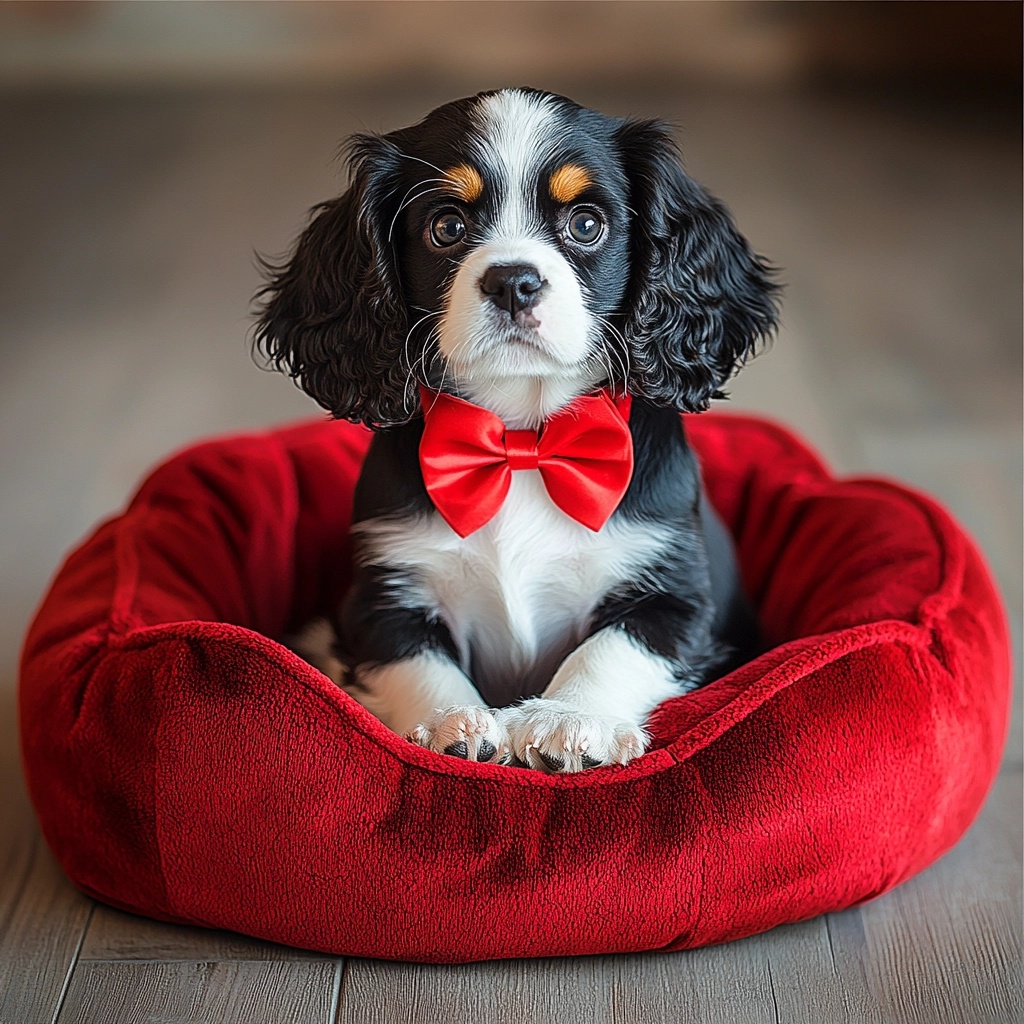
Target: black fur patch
{"points": [[349, 315], [682, 299]]}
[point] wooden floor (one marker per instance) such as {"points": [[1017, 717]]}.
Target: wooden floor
{"points": [[128, 225]]}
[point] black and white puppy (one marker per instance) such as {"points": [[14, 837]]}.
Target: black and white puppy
{"points": [[519, 251]]}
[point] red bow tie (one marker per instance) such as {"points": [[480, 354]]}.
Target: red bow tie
{"points": [[584, 453]]}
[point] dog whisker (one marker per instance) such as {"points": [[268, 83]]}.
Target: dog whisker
{"points": [[409, 156], [415, 185], [427, 345], [621, 354], [407, 199], [410, 378], [505, 319], [452, 361]]}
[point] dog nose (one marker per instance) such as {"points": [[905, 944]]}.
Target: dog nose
{"points": [[512, 287]]}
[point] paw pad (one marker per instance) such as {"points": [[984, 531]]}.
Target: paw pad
{"points": [[469, 733]]}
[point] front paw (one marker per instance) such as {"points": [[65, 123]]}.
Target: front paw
{"points": [[552, 736], [471, 733]]}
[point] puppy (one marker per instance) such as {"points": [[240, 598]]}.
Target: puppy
{"points": [[520, 295]]}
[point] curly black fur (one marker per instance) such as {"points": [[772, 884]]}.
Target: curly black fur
{"points": [[332, 316], [700, 301], [683, 301]]}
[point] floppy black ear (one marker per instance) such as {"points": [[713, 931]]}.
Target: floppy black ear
{"points": [[332, 316], [699, 300]]}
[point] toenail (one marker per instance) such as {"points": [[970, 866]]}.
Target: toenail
{"points": [[554, 764]]}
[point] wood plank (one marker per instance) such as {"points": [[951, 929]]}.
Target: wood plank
{"points": [[114, 935], [236, 992], [40, 941], [713, 985], [380, 992], [946, 946], [810, 971], [571, 991], [18, 832], [42, 918], [128, 270], [731, 982]]}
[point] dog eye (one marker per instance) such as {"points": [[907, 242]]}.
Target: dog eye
{"points": [[585, 226], [447, 229]]}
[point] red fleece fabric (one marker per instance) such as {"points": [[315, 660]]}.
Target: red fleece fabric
{"points": [[186, 767]]}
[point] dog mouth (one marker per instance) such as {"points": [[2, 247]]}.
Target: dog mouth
{"points": [[515, 350], [528, 338], [521, 331], [525, 346], [525, 320]]}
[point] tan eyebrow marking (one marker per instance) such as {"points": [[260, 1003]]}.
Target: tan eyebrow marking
{"points": [[466, 182], [568, 182]]}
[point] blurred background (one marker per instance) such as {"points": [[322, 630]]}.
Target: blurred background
{"points": [[925, 46], [871, 150]]}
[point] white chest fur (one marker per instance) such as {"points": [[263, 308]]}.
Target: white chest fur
{"points": [[519, 593]]}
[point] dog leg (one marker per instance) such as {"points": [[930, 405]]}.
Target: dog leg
{"points": [[593, 711], [430, 701]]}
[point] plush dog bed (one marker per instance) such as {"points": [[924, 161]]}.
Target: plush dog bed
{"points": [[187, 767]]}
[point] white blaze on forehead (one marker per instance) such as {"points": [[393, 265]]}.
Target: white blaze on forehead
{"points": [[516, 140], [518, 135]]}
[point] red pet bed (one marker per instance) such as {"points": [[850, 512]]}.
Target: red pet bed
{"points": [[186, 767]]}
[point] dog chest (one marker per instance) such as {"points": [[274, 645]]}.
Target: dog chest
{"points": [[517, 594]]}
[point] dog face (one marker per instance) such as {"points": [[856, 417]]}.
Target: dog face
{"points": [[519, 250], [517, 255]]}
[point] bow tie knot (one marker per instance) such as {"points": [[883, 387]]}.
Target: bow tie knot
{"points": [[584, 454], [521, 450]]}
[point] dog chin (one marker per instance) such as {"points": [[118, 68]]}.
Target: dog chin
{"points": [[521, 383], [523, 356], [561, 339]]}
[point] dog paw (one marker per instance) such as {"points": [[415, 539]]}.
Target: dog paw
{"points": [[472, 733], [555, 737]]}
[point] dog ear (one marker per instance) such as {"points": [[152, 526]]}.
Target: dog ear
{"points": [[331, 315], [699, 300]]}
